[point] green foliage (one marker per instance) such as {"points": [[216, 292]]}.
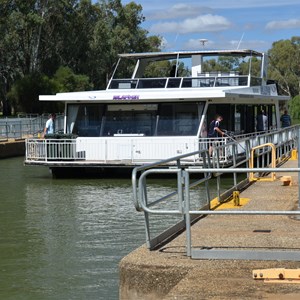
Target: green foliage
{"points": [[255, 67], [25, 91], [223, 63], [67, 81], [117, 31], [284, 65], [294, 107], [163, 68], [38, 37], [226, 64]]}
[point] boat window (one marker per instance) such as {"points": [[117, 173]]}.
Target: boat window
{"points": [[179, 119], [130, 119], [164, 119], [241, 118], [84, 120]]}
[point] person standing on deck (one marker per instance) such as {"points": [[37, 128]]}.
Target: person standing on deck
{"points": [[214, 130], [285, 120], [261, 121], [50, 124]]}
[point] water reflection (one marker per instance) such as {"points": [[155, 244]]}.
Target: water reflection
{"points": [[63, 239]]}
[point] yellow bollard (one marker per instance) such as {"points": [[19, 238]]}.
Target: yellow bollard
{"points": [[294, 154], [236, 198]]}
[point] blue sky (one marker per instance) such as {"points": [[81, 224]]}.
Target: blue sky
{"points": [[230, 24]]}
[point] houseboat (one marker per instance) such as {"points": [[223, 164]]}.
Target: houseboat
{"points": [[159, 105]]}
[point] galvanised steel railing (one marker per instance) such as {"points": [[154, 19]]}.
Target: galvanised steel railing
{"points": [[29, 125], [285, 141]]}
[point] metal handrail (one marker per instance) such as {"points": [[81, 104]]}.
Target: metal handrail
{"points": [[24, 127], [248, 142], [286, 140], [184, 82]]}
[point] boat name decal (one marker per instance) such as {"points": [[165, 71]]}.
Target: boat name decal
{"points": [[126, 97]]}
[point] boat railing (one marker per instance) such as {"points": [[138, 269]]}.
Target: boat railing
{"points": [[52, 150], [191, 196], [184, 82], [142, 149]]}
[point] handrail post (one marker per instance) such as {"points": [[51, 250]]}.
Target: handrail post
{"points": [[187, 214], [234, 153], [180, 183], [144, 200], [206, 165], [218, 176]]}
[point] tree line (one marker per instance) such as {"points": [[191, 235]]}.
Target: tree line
{"points": [[50, 46]]}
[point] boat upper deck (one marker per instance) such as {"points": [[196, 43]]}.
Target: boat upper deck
{"points": [[164, 76], [186, 69]]}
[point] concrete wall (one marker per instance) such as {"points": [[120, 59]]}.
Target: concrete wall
{"points": [[12, 148], [147, 279]]}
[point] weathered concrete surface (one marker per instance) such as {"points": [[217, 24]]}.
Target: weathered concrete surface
{"points": [[12, 148], [169, 274]]}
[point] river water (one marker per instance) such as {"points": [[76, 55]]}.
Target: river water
{"points": [[63, 239]]}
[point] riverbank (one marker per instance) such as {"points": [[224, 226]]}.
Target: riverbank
{"points": [[12, 148], [169, 274]]}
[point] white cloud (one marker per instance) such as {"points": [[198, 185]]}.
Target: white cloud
{"points": [[232, 4], [288, 24], [195, 44], [203, 23], [259, 45], [178, 11], [249, 44], [216, 4]]}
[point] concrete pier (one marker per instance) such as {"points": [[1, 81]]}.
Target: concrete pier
{"points": [[12, 148], [169, 274]]}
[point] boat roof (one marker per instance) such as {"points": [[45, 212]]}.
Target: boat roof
{"points": [[168, 55]]}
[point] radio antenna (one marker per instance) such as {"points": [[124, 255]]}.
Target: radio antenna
{"points": [[203, 41], [238, 46]]}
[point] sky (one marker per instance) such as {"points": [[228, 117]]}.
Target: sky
{"points": [[225, 24]]}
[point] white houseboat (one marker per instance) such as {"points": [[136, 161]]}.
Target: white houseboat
{"points": [[140, 118]]}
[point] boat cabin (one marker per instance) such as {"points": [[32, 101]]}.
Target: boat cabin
{"points": [[158, 105]]}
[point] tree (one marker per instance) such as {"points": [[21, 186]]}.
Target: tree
{"points": [[117, 31], [23, 39], [284, 59], [40, 36], [255, 67], [294, 108], [25, 91], [67, 81]]}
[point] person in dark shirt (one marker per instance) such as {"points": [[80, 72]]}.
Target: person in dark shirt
{"points": [[214, 127], [214, 131], [285, 119]]}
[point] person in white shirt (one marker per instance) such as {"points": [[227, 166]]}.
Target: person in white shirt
{"points": [[50, 125], [261, 122]]}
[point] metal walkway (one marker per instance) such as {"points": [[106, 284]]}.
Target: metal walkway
{"points": [[181, 202]]}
